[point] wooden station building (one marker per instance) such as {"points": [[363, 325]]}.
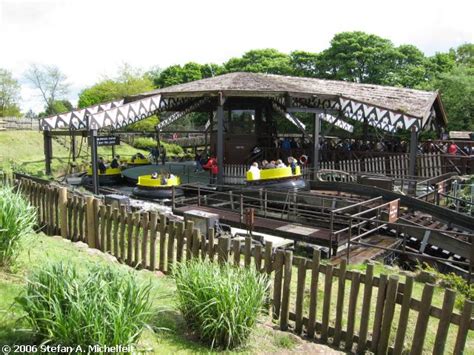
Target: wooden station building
{"points": [[242, 108]]}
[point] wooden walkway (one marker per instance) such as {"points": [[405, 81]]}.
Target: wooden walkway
{"points": [[284, 229]]}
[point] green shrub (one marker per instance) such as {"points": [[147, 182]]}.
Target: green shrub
{"points": [[172, 150], [221, 303], [103, 306], [17, 218]]}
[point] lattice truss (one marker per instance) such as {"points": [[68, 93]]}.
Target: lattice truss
{"points": [[336, 121], [381, 118], [76, 119]]}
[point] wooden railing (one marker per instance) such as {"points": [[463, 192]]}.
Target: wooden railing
{"points": [[359, 311]]}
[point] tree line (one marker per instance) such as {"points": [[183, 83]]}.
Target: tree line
{"points": [[351, 56]]}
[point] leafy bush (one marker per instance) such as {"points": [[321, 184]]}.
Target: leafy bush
{"points": [[102, 306], [220, 302], [17, 218], [148, 143]]}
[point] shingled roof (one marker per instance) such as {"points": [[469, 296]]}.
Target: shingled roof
{"points": [[415, 103]]}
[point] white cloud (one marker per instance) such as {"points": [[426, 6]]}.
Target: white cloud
{"points": [[89, 38]]}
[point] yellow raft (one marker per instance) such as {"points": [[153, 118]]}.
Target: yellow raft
{"points": [[277, 178], [110, 177], [153, 188]]}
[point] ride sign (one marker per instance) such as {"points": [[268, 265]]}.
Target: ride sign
{"points": [[106, 140], [393, 211]]}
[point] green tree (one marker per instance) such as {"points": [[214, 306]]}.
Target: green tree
{"points": [[304, 63], [457, 93], [9, 94], [410, 70], [50, 82], [359, 57], [268, 61], [128, 81]]}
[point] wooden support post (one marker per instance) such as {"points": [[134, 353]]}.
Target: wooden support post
{"points": [[463, 327], [316, 129], [412, 163], [223, 247], [220, 140], [210, 244], [95, 168], [196, 242], [351, 316], [153, 236], [48, 151], [378, 312], [172, 228], [163, 228], [145, 228], [326, 303], [62, 206], [236, 251], [247, 251]]}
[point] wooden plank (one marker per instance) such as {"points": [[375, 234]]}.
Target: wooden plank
{"points": [[123, 225], [300, 285], [116, 223], [75, 219], [203, 246], [163, 227], [130, 223], [136, 245], [277, 282], [223, 247], [268, 257], [248, 251], [378, 312], [179, 242], [145, 229], [326, 303], [404, 313], [91, 230], [365, 313], [340, 303], [444, 322], [189, 238], [108, 233], [236, 251], [313, 296], [172, 228], [464, 326], [62, 205], [258, 257], [153, 236], [388, 314], [422, 321], [285, 302], [102, 224], [351, 314], [196, 242], [211, 244]]}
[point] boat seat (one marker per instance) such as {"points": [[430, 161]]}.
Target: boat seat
{"points": [[271, 174]]}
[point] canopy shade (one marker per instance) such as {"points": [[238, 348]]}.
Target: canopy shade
{"points": [[384, 107]]}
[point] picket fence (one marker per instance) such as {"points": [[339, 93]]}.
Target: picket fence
{"points": [[382, 317]]}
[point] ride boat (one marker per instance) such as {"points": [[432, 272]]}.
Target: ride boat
{"points": [[111, 176], [152, 188], [276, 179], [137, 161]]}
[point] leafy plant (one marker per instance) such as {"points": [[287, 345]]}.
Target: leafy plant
{"points": [[17, 218], [221, 303], [103, 306]]}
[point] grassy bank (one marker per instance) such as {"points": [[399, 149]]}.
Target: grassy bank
{"points": [[168, 331]]}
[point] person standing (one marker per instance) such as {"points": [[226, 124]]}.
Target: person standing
{"points": [[163, 154], [211, 165]]}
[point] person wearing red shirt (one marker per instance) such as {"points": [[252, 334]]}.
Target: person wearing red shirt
{"points": [[452, 149], [211, 165]]}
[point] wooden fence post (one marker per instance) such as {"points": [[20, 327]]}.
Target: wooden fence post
{"points": [[285, 302], [196, 242], [313, 296], [179, 242], [378, 312], [355, 283], [326, 303], [279, 262], [422, 321], [463, 327], [171, 241], [390, 301], [145, 228], [91, 222], [163, 227], [210, 244], [404, 313], [236, 251], [445, 319], [340, 303], [153, 236], [364, 318], [223, 246], [300, 294], [62, 205]]}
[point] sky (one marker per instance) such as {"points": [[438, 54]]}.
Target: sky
{"points": [[90, 39]]}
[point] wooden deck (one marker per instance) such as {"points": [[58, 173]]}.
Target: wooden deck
{"points": [[284, 229]]}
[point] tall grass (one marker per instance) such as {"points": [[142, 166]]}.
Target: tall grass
{"points": [[221, 303], [103, 306], [17, 218]]}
